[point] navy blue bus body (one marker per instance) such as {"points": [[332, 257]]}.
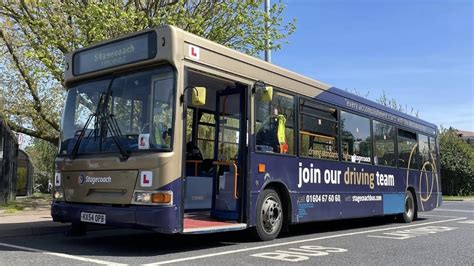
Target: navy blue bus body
{"points": [[318, 189]]}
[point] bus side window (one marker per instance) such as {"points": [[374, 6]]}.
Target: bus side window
{"points": [[384, 144], [318, 131], [407, 149], [424, 153], [356, 138], [275, 123]]}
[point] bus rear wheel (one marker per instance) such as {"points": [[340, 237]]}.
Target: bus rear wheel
{"points": [[410, 209], [269, 215]]}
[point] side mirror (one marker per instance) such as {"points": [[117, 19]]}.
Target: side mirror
{"points": [[265, 90], [267, 94], [198, 96]]}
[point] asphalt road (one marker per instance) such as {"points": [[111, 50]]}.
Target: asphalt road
{"points": [[443, 237]]}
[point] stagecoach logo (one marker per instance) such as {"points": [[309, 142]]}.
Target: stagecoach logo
{"points": [[81, 179], [93, 179]]}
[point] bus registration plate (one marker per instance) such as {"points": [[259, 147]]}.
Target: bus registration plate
{"points": [[96, 218]]}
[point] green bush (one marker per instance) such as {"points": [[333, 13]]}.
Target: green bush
{"points": [[457, 164]]}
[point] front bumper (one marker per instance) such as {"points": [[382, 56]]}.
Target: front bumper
{"points": [[163, 219]]}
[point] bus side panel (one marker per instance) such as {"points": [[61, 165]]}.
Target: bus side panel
{"points": [[427, 186], [326, 190]]}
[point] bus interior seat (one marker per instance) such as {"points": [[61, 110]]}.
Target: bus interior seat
{"points": [[193, 152], [208, 168], [388, 159]]}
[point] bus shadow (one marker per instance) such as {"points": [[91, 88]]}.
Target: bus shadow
{"points": [[121, 243], [146, 244], [341, 225]]}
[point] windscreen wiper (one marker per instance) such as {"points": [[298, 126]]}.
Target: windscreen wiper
{"points": [[116, 134], [109, 124], [75, 149], [104, 122]]}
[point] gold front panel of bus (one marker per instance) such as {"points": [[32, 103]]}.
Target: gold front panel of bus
{"points": [[106, 187]]}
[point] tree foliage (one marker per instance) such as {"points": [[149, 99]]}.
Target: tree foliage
{"points": [[34, 37], [457, 163], [42, 154], [392, 103]]}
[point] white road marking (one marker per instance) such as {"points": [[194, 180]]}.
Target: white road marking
{"points": [[298, 241], [448, 210], [62, 255], [442, 216], [415, 232], [466, 222]]}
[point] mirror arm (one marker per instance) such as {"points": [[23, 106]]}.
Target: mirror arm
{"points": [[181, 98]]}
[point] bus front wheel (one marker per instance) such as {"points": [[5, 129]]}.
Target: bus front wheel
{"points": [[269, 215], [410, 208]]}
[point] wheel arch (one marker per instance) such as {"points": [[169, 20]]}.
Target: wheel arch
{"points": [[285, 198]]}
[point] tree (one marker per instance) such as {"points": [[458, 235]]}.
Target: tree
{"points": [[34, 37], [388, 102], [42, 154], [457, 163], [392, 103]]}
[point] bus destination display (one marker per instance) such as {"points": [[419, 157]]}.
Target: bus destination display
{"points": [[122, 52]]}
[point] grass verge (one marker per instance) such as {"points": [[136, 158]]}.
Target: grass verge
{"points": [[33, 202], [457, 198]]}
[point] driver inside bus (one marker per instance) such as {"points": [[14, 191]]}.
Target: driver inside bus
{"points": [[272, 133]]}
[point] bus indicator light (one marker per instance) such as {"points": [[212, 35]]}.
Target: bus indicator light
{"points": [[161, 197], [261, 168]]}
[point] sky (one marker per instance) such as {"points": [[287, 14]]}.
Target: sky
{"points": [[418, 52]]}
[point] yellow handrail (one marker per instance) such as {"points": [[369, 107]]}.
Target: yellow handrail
{"points": [[235, 174]]}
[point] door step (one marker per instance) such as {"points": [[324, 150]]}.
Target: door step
{"points": [[215, 228], [202, 223]]}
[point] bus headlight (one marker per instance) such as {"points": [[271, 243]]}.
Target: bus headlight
{"points": [[153, 197], [58, 195]]}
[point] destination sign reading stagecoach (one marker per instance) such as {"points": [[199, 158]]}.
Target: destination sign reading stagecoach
{"points": [[131, 50]]}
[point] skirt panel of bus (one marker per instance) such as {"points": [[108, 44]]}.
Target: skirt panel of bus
{"points": [[160, 218]]}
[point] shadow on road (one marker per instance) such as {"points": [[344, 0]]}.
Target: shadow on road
{"points": [[139, 243]]}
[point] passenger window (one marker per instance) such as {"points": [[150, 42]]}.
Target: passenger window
{"points": [[318, 131], [275, 124], [407, 149], [433, 153], [356, 138], [424, 153], [384, 146], [189, 124], [206, 135]]}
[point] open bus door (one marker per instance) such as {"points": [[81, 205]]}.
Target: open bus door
{"points": [[223, 182], [229, 154]]}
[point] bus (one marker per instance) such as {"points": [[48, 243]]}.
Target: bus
{"points": [[168, 131]]}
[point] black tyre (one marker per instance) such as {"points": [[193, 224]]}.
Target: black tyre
{"points": [[410, 208], [269, 215]]}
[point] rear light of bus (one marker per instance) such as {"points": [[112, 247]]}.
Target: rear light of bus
{"points": [[153, 197]]}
